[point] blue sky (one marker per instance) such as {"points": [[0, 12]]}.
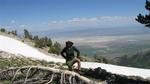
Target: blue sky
{"points": [[41, 15]]}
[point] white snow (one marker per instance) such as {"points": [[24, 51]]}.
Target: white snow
{"points": [[17, 47]]}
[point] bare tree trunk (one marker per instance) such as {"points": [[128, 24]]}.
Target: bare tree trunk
{"points": [[40, 74]]}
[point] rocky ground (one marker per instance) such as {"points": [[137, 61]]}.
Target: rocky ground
{"points": [[110, 78], [8, 61]]}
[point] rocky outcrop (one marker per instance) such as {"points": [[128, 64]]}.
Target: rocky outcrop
{"points": [[110, 78]]}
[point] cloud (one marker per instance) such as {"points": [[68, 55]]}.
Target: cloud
{"points": [[12, 21], [99, 22], [79, 23], [22, 26], [15, 26]]}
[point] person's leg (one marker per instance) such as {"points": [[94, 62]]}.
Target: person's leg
{"points": [[76, 60], [69, 64], [79, 64], [70, 68], [72, 62]]}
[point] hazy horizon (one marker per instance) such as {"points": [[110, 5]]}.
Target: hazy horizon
{"points": [[56, 15], [89, 23]]}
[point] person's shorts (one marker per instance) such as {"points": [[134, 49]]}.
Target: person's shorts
{"points": [[71, 62]]}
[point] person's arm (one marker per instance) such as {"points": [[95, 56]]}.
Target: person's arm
{"points": [[77, 51], [62, 53]]}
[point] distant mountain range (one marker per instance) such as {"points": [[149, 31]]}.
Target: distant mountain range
{"points": [[83, 32]]}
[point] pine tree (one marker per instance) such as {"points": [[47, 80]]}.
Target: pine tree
{"points": [[39, 43], [14, 32], [49, 43], [26, 33], [45, 41], [56, 48], [35, 38], [52, 50], [145, 19], [36, 41], [30, 36], [3, 30]]}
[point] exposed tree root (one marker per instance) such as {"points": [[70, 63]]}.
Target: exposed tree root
{"points": [[43, 75]]}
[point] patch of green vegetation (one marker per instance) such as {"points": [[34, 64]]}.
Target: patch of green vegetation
{"points": [[116, 49], [36, 41], [6, 63], [5, 82], [140, 59]]}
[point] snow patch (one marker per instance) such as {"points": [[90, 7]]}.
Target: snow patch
{"points": [[17, 47]]}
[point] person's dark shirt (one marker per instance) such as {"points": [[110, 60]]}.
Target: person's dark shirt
{"points": [[68, 53]]}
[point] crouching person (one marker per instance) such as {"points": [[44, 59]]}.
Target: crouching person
{"points": [[68, 53]]}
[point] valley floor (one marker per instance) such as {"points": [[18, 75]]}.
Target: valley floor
{"points": [[16, 47]]}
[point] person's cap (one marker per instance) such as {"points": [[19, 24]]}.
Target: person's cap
{"points": [[69, 42]]}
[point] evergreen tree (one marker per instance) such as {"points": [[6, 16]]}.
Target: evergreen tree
{"points": [[45, 41], [49, 43], [35, 38], [145, 19], [52, 50], [56, 48], [30, 36], [14, 32], [39, 43], [42, 42], [36, 41], [3, 30], [27, 34]]}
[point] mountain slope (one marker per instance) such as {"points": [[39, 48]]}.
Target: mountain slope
{"points": [[16, 47], [140, 59]]}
